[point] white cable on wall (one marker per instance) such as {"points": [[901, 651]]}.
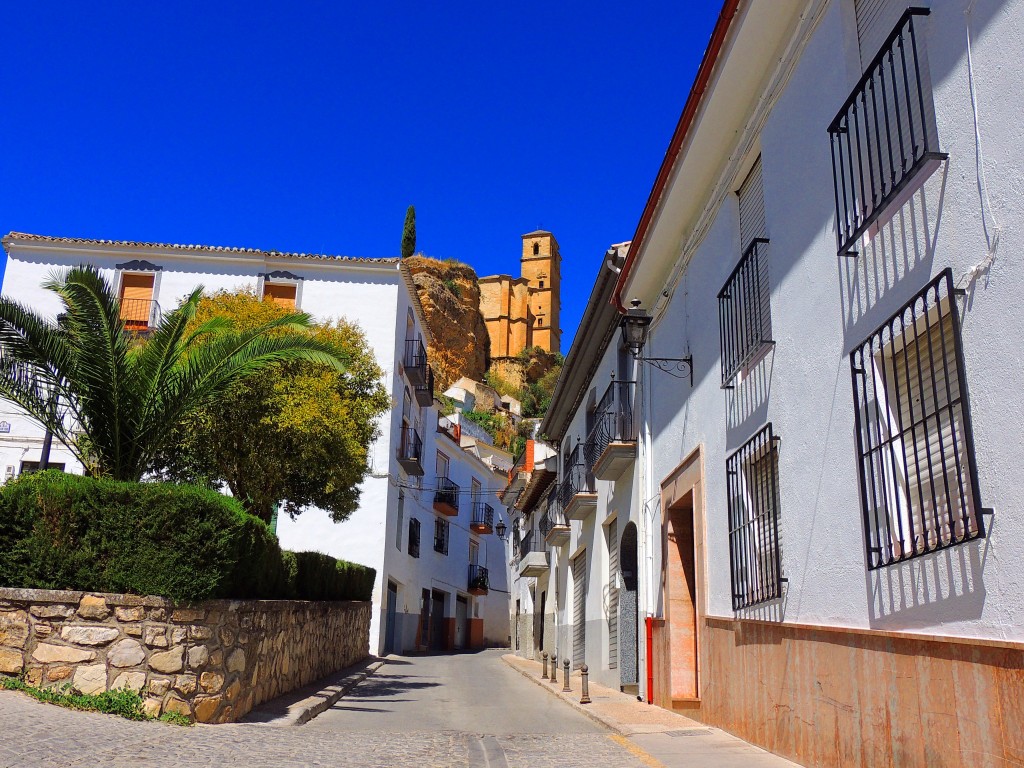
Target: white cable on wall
{"points": [[987, 214]]}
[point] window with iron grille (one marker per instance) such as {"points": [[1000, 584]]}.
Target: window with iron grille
{"points": [[441, 535], [744, 311], [414, 537], [918, 478], [885, 131], [752, 475]]}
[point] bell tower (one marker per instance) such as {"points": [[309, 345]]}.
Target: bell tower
{"points": [[541, 268]]}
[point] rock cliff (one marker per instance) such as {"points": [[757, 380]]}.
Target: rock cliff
{"points": [[450, 295]]}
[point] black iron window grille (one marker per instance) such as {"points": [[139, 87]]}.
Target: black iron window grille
{"points": [[744, 311], [918, 477], [577, 477], [883, 134], [752, 475], [447, 493], [441, 535], [613, 420], [414, 537]]}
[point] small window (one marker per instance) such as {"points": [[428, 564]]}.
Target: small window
{"points": [[282, 294], [28, 467], [137, 305], [744, 312], [752, 474], [414, 537], [441, 535], [541, 283], [536, 249], [919, 481], [401, 514]]}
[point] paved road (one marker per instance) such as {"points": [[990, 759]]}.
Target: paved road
{"points": [[465, 710]]}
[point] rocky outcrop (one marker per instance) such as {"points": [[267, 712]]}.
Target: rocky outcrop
{"points": [[450, 295]]}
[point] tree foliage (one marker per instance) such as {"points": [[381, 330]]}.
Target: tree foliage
{"points": [[298, 433], [409, 233], [115, 402]]}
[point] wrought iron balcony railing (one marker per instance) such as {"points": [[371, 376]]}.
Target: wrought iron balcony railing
{"points": [[613, 420], [577, 477], [441, 535], [140, 315], [744, 312], [410, 451], [483, 518], [479, 582], [446, 497], [415, 361], [884, 133], [425, 390]]}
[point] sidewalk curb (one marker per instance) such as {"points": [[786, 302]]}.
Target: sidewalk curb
{"points": [[305, 709], [612, 725]]}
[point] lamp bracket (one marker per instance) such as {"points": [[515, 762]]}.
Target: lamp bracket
{"points": [[680, 367]]}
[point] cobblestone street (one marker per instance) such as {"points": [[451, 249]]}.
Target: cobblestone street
{"points": [[462, 710]]}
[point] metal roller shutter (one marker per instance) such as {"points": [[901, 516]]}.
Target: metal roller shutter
{"points": [[875, 20], [613, 595], [579, 609], [751, 196]]}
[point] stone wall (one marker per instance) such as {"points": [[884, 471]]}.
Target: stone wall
{"points": [[213, 660]]}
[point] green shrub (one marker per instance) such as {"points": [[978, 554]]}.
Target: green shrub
{"points": [[60, 531]]}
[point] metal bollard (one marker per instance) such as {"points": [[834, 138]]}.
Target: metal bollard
{"points": [[544, 666], [554, 669], [585, 698], [565, 684]]}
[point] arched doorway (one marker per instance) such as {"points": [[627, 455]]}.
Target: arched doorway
{"points": [[629, 634]]}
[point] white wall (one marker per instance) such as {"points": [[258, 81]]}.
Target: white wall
{"points": [[821, 309]]}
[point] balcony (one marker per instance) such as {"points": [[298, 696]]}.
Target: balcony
{"points": [[483, 518], [139, 315], [884, 135], [415, 362], [611, 445], [478, 580], [553, 525], [425, 392], [533, 556], [446, 497], [410, 451], [576, 493]]}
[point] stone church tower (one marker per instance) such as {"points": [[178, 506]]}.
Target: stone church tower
{"points": [[523, 312]]}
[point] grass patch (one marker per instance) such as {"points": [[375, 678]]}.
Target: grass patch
{"points": [[122, 702]]}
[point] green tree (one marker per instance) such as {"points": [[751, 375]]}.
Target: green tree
{"points": [[116, 402], [297, 433], [409, 232]]}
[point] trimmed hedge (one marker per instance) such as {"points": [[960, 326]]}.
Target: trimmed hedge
{"points": [[60, 531]]}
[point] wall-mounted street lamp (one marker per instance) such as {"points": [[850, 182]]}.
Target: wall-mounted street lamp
{"points": [[502, 530], [635, 326]]}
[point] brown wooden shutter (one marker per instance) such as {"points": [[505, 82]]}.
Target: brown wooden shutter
{"points": [[280, 294], [136, 300]]}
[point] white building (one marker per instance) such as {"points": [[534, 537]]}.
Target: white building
{"points": [[378, 294], [828, 538]]}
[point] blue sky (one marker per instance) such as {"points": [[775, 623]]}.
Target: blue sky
{"points": [[310, 126]]}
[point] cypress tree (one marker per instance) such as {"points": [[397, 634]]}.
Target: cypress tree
{"points": [[409, 232]]}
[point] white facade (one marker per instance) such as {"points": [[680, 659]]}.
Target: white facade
{"points": [[377, 294]]}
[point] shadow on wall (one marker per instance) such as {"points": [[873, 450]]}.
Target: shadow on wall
{"points": [[747, 400], [894, 264], [940, 587]]}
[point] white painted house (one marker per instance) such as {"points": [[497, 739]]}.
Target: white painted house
{"points": [[828, 517], [378, 294]]}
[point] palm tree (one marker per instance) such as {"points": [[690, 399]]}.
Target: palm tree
{"points": [[113, 401]]}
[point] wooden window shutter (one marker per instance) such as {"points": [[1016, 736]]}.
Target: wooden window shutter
{"points": [[136, 300], [281, 294]]}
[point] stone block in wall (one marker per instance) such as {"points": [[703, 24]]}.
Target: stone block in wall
{"points": [[214, 661]]}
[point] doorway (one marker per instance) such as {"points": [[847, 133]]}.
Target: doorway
{"points": [[629, 615], [438, 642], [461, 621], [391, 630]]}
